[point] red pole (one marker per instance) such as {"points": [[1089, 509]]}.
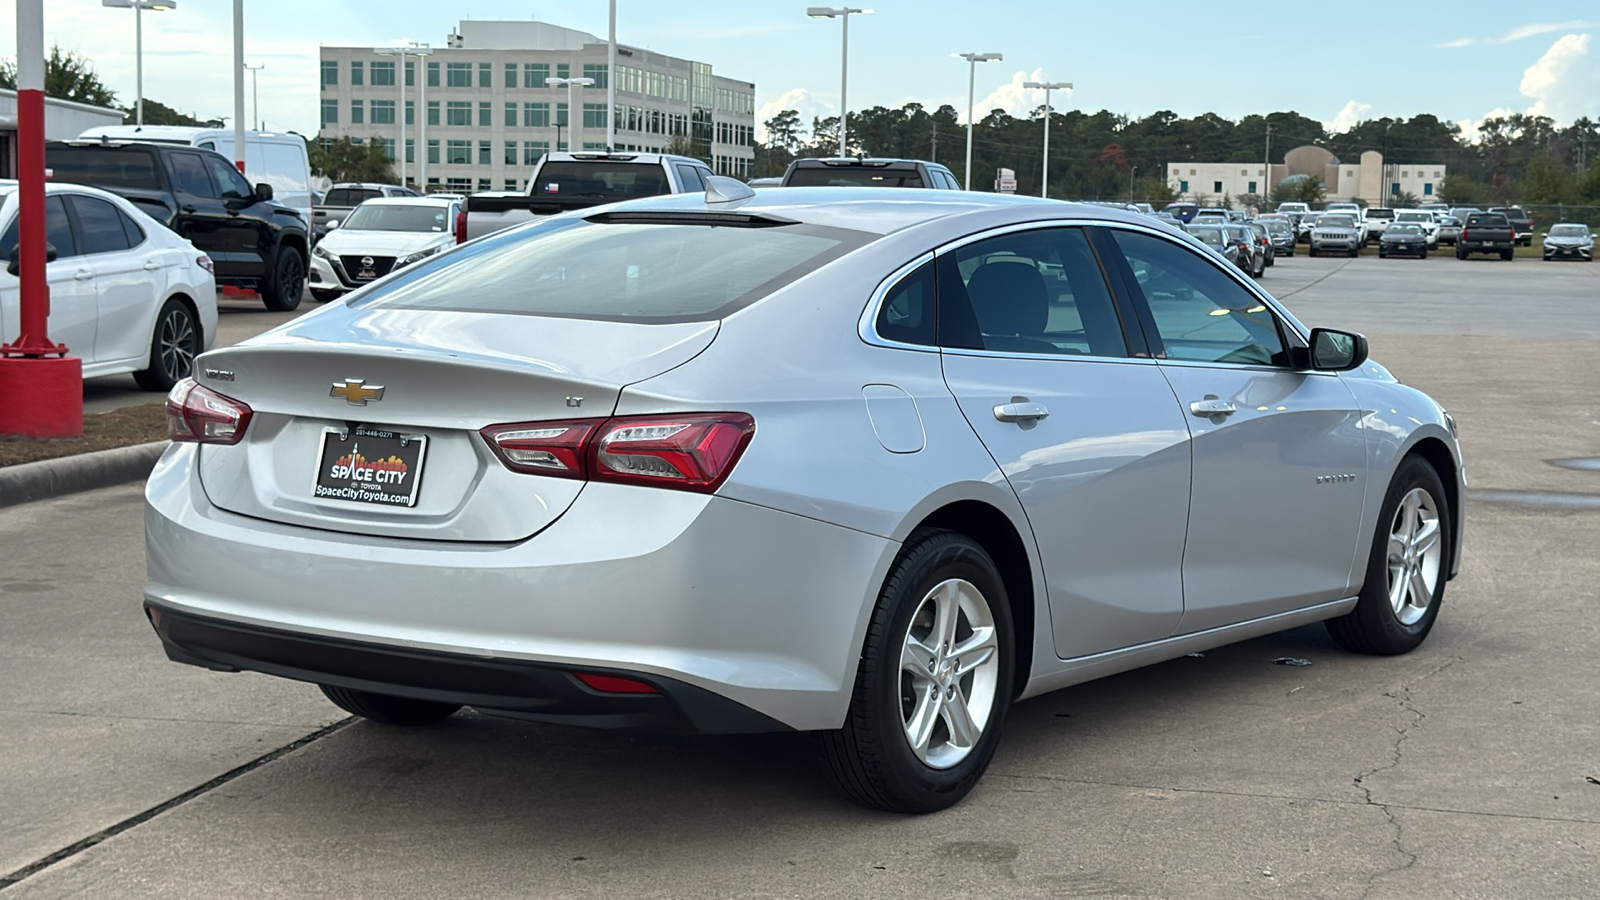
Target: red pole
{"points": [[39, 396]]}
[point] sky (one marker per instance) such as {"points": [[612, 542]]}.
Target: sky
{"points": [[1462, 63]]}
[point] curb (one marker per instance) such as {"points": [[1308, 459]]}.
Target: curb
{"points": [[27, 482]]}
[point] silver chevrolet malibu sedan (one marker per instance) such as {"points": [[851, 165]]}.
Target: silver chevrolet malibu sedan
{"points": [[875, 464]]}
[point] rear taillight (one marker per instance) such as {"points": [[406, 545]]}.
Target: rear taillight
{"points": [[197, 414], [691, 452], [461, 227]]}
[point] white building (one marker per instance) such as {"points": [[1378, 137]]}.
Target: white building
{"points": [[486, 114], [64, 120], [1371, 180]]}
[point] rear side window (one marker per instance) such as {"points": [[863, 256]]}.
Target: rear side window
{"points": [[189, 173], [104, 167], [604, 181], [855, 176], [649, 273], [906, 314], [100, 224], [690, 179]]}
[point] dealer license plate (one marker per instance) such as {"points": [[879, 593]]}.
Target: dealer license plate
{"points": [[370, 465]]}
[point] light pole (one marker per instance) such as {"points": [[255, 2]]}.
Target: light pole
{"points": [[824, 12], [238, 85], [255, 97], [138, 7], [972, 76], [572, 108], [1047, 87], [611, 81], [421, 52]]}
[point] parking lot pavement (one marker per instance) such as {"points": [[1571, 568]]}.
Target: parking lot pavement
{"points": [[1461, 769], [236, 320]]}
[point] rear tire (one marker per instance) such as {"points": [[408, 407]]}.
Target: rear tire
{"points": [[1422, 255], [1506, 255], [908, 743], [281, 293], [1461, 254], [387, 710], [174, 344], [1355, 251], [1406, 567]]}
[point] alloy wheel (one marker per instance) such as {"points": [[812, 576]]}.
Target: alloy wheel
{"points": [[949, 673], [178, 342], [1415, 555]]}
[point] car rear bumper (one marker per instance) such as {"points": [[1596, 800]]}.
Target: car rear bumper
{"points": [[1485, 246], [761, 608]]}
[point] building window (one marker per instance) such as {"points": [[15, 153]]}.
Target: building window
{"points": [[433, 154], [383, 74], [483, 184], [1427, 189], [534, 74], [485, 153], [563, 70], [458, 153], [433, 74], [458, 112], [1191, 172], [433, 112], [459, 184], [532, 150], [356, 112], [485, 114], [411, 150], [511, 115], [330, 112], [411, 112], [1394, 189], [1183, 187], [386, 145], [458, 74], [511, 75], [561, 115], [330, 72], [485, 75], [597, 71], [411, 74], [383, 112], [511, 184], [1252, 187], [536, 115], [594, 115], [355, 72], [510, 158]]}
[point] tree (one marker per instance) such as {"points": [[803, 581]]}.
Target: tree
{"points": [[157, 113], [345, 160], [1307, 189], [683, 145], [67, 76], [1544, 181], [783, 130]]}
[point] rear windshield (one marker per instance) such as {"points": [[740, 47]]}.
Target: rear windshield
{"points": [[1380, 213], [602, 181], [855, 176], [1486, 219], [1209, 234], [397, 217], [350, 196], [650, 273], [104, 167]]}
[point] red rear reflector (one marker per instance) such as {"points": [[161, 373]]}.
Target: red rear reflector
{"points": [[197, 414], [461, 227], [611, 684]]}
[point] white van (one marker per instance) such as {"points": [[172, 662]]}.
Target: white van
{"points": [[274, 157]]}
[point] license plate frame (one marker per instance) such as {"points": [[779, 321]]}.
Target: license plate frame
{"points": [[391, 477]]}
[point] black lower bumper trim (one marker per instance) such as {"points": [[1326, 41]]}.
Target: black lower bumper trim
{"points": [[527, 690]]}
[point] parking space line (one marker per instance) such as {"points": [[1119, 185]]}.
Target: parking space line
{"points": [[1315, 283]]}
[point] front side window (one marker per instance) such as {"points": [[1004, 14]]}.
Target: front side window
{"points": [[57, 231], [1037, 291], [1200, 313], [189, 173], [229, 182]]}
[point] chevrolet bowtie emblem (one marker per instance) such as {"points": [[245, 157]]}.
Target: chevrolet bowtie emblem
{"points": [[356, 392]]}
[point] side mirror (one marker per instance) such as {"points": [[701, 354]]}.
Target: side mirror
{"points": [[14, 265], [263, 191], [1337, 351], [332, 224]]}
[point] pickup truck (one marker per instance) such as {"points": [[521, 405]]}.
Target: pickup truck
{"points": [[1486, 233], [1521, 222], [563, 181]]}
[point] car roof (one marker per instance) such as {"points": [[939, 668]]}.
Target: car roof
{"points": [[411, 201], [364, 185]]}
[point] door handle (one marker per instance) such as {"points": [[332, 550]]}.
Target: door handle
{"points": [[151, 265], [1020, 412], [188, 207], [82, 275], [1211, 406]]}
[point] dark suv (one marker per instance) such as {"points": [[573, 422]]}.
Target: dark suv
{"points": [[869, 172], [254, 241]]}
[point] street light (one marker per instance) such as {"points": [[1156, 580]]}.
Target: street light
{"points": [[1047, 87], [972, 76], [571, 83], [421, 52], [255, 97], [823, 12], [138, 7], [400, 148]]}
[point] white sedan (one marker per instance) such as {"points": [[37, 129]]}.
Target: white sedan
{"points": [[126, 293], [379, 236]]}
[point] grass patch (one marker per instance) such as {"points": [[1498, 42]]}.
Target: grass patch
{"points": [[137, 424]]}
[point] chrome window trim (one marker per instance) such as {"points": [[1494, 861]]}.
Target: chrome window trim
{"points": [[867, 326]]}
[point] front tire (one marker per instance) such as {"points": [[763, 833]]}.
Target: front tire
{"points": [[1506, 255], [282, 292], [1406, 568], [387, 710], [174, 344], [934, 682], [325, 296]]}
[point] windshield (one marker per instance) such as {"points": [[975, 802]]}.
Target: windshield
{"points": [[1556, 231], [855, 176], [1209, 234], [1275, 226], [1405, 228], [650, 273], [604, 181], [395, 217], [1327, 221], [1414, 217]]}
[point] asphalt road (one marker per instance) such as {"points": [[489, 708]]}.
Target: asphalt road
{"points": [[1467, 768]]}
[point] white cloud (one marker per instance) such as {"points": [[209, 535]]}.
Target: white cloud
{"points": [[809, 105], [1353, 112], [1565, 82], [1522, 32], [1012, 97], [1472, 129]]}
